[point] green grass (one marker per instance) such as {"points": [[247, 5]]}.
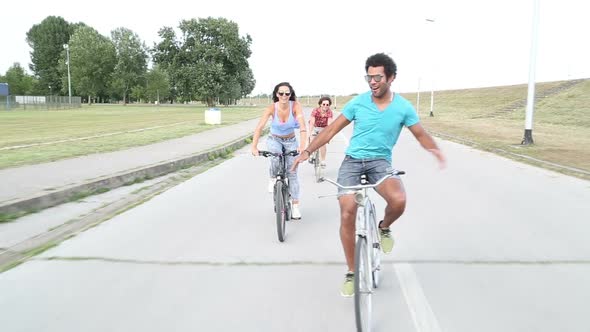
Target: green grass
{"points": [[55, 135], [561, 121]]}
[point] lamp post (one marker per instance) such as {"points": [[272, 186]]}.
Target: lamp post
{"points": [[431, 20], [530, 102], [67, 48], [418, 98]]}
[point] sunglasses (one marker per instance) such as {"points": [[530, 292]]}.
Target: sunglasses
{"points": [[377, 78], [325, 104], [284, 93]]}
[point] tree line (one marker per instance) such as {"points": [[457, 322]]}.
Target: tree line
{"points": [[207, 62]]}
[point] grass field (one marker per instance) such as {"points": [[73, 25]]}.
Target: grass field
{"points": [[488, 118], [30, 137], [493, 119]]}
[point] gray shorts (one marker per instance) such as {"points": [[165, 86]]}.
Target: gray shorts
{"points": [[317, 130], [351, 170]]}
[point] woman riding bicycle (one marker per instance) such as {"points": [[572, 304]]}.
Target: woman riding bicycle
{"points": [[286, 114], [320, 118]]}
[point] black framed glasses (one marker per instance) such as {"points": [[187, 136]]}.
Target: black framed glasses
{"points": [[377, 78], [282, 93]]}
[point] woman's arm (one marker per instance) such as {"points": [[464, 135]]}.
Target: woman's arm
{"points": [[302, 128], [258, 131]]}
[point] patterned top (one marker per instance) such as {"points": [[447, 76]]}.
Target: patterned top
{"points": [[321, 118]]}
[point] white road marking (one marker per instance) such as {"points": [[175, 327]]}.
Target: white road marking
{"points": [[422, 314]]}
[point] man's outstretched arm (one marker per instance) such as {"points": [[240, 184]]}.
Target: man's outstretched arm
{"points": [[324, 137], [428, 143]]}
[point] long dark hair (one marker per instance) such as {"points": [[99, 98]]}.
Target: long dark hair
{"points": [[274, 92]]}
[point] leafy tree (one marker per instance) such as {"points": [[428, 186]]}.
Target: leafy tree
{"points": [[157, 85], [18, 81], [92, 62], [131, 60], [167, 50], [210, 62], [165, 54], [137, 93], [46, 40]]}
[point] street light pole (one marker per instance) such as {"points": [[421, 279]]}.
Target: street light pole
{"points": [[431, 20], [530, 103], [418, 98], [67, 48]]}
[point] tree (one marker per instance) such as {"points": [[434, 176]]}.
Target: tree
{"points": [[157, 85], [165, 54], [210, 62], [92, 61], [131, 60], [46, 40], [18, 81], [137, 92]]}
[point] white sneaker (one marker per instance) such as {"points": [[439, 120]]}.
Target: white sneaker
{"points": [[295, 213], [271, 185]]}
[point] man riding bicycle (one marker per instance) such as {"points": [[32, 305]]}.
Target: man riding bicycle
{"points": [[378, 116]]}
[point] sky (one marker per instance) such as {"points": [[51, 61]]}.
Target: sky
{"points": [[321, 46]]}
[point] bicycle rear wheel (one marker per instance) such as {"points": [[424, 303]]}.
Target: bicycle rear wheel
{"points": [[363, 285], [280, 210]]}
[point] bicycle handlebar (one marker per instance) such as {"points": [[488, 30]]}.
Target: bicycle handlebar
{"points": [[363, 186], [274, 154]]}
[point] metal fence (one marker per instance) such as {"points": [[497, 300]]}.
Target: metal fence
{"points": [[39, 102]]}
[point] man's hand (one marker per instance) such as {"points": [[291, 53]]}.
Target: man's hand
{"points": [[442, 163], [300, 159]]}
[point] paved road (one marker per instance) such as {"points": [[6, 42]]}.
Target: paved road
{"points": [[485, 245]]}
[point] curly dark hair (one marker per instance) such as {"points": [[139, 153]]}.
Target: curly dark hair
{"points": [[292, 97], [324, 98], [382, 60]]}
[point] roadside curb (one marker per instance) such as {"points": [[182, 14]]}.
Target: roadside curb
{"points": [[69, 193]]}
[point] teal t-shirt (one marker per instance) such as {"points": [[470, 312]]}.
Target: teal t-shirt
{"points": [[376, 132]]}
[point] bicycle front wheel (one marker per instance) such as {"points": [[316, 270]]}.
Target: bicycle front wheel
{"points": [[317, 166], [375, 242], [280, 210], [363, 284]]}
